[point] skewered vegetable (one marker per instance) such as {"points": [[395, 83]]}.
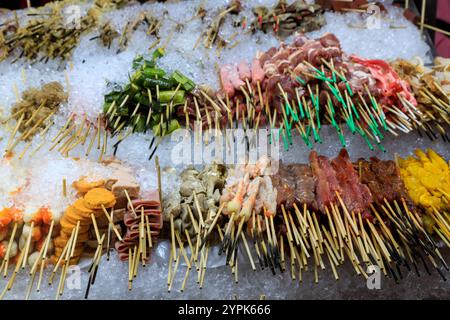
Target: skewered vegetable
{"points": [[149, 101]]}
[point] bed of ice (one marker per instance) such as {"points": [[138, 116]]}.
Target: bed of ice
{"points": [[90, 69]]}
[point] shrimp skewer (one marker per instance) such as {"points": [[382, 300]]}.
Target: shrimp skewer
{"points": [[249, 204], [246, 212], [235, 205]]}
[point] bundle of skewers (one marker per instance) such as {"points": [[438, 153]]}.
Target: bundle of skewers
{"points": [[285, 19], [281, 217], [48, 36], [328, 212], [56, 35], [296, 88], [192, 215], [87, 229], [427, 179], [33, 115], [149, 101], [431, 87], [309, 83]]}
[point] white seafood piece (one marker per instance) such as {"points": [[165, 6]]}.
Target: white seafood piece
{"points": [[22, 242], [26, 230], [32, 258]]}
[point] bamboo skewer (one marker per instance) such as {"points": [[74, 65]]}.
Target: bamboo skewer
{"points": [[250, 257], [181, 246], [8, 250], [112, 223], [174, 270], [27, 246], [13, 134]]}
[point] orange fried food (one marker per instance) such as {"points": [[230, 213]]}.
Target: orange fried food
{"points": [[73, 215], [9, 215], [42, 216], [80, 208], [83, 186]]}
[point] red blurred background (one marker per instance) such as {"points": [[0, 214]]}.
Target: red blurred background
{"points": [[438, 14]]}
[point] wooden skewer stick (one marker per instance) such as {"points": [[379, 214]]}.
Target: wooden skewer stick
{"points": [[183, 252], [130, 263], [344, 207], [43, 259], [197, 205], [34, 114], [43, 252], [211, 227], [94, 265], [13, 134], [302, 223], [143, 238], [132, 254], [61, 257], [74, 242], [422, 16], [158, 172], [130, 203], [108, 241], [13, 276], [191, 259], [174, 270], [27, 245], [26, 134], [69, 254], [149, 233], [282, 258], [197, 248], [205, 261], [14, 115], [94, 223], [172, 236], [250, 257], [287, 224], [8, 251], [136, 260]]}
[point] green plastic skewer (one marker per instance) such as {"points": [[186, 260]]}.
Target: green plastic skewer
{"points": [[302, 113], [361, 132], [341, 137], [286, 145]]}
